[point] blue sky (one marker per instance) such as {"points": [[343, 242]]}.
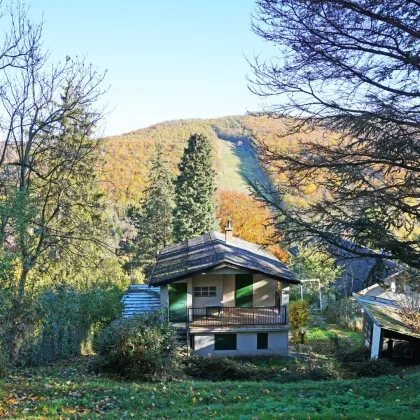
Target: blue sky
{"points": [[166, 60]]}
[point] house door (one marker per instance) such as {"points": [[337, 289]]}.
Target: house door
{"points": [[243, 290], [178, 302]]}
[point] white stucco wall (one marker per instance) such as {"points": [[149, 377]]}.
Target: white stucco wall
{"points": [[229, 290], [246, 343], [164, 298], [208, 279], [285, 289], [264, 291]]}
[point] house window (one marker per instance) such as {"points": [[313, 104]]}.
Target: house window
{"points": [[224, 342], [262, 341], [204, 291]]}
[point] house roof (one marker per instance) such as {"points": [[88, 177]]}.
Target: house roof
{"points": [[360, 272], [210, 251], [386, 313]]}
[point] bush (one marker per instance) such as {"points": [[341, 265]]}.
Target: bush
{"points": [[357, 355], [372, 368], [142, 347], [62, 321], [218, 368], [320, 374], [298, 314]]}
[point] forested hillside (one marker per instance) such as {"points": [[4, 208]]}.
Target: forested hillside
{"points": [[128, 155]]}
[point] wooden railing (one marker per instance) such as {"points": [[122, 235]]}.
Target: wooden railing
{"points": [[228, 316]]}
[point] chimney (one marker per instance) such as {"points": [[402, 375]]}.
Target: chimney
{"points": [[228, 231]]}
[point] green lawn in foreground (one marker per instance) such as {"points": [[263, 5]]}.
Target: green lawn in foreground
{"points": [[55, 392]]}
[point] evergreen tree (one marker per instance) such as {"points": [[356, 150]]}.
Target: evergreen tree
{"points": [[195, 211], [153, 221]]}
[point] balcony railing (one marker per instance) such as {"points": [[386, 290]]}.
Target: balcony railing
{"points": [[222, 316]]}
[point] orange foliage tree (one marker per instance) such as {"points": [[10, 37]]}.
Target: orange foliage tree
{"points": [[251, 221]]}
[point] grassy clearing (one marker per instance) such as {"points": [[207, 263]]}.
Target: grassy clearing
{"points": [[235, 165], [64, 391], [228, 167]]}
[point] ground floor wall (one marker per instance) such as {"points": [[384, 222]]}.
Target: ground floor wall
{"points": [[245, 343]]}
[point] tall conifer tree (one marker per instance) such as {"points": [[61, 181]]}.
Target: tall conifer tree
{"points": [[154, 220], [195, 211]]}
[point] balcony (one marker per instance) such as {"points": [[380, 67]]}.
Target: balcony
{"points": [[221, 316]]}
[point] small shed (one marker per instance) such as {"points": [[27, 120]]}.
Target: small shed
{"points": [[385, 332]]}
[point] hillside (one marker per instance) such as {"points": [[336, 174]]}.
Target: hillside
{"points": [[127, 156]]}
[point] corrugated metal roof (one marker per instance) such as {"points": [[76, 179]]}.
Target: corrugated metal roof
{"points": [[139, 299], [209, 251]]}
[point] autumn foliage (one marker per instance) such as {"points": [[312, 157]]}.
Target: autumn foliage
{"points": [[251, 221]]}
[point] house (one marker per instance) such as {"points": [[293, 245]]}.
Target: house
{"points": [[229, 295], [385, 332]]}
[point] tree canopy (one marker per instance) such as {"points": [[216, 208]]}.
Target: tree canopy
{"points": [[153, 220], [195, 189], [350, 68]]}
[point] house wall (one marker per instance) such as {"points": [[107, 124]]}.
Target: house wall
{"points": [[264, 290], [229, 290], [246, 344], [164, 297], [285, 289], [208, 279]]}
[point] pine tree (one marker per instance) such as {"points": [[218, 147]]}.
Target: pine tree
{"points": [[195, 211], [153, 221]]}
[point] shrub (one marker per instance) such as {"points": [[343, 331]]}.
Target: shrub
{"points": [[219, 368], [298, 314], [320, 374], [356, 355], [288, 376], [142, 347], [372, 368], [62, 321]]}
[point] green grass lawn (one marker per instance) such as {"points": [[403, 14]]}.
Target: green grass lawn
{"points": [[64, 391]]}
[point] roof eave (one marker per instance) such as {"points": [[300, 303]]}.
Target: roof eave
{"points": [[218, 265]]}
